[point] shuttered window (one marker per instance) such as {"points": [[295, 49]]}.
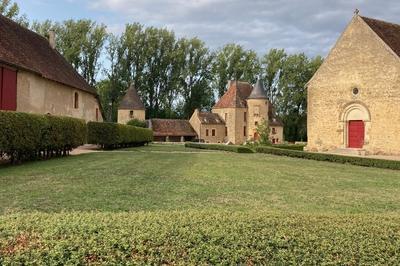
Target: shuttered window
{"points": [[8, 89]]}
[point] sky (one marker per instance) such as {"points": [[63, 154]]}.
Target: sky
{"points": [[309, 26]]}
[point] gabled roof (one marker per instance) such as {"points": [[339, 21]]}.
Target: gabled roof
{"points": [[258, 92], [131, 100], [26, 50], [388, 32], [171, 127], [210, 118], [235, 96]]}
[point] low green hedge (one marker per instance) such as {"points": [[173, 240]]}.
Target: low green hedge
{"points": [[219, 147], [361, 161], [296, 147], [113, 135], [26, 136], [198, 238]]}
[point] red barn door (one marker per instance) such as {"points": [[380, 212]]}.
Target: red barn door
{"points": [[8, 89], [356, 134]]}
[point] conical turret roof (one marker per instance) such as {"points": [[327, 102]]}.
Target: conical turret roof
{"points": [[131, 100], [258, 91]]}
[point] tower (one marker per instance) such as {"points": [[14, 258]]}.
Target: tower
{"points": [[257, 104], [131, 107]]}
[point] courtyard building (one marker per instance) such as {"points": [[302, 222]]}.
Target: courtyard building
{"points": [[353, 98], [131, 107], [35, 78], [171, 130]]}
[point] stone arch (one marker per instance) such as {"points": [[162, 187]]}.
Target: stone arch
{"points": [[355, 111]]}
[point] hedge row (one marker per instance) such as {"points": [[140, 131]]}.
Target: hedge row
{"points": [[26, 136], [113, 135], [360, 161], [219, 147], [198, 238], [296, 147]]}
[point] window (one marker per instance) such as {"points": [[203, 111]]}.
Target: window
{"points": [[273, 130], [76, 100], [8, 89], [97, 114], [213, 132], [244, 131], [245, 117], [131, 114], [256, 111], [256, 123], [273, 141], [206, 132], [226, 131], [226, 117]]}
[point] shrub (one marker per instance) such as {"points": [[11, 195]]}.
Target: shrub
{"points": [[114, 136], [360, 161], [137, 123], [296, 147], [26, 136], [198, 238], [220, 147]]}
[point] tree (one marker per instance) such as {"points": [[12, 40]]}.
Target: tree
{"points": [[263, 131], [11, 11], [233, 62]]}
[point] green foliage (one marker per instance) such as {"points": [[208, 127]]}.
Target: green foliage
{"points": [[263, 131], [234, 62], [220, 147], [28, 136], [297, 147], [368, 162], [114, 136], [11, 11], [137, 123], [198, 238]]}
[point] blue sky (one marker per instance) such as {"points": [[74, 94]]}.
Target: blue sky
{"points": [[310, 26]]}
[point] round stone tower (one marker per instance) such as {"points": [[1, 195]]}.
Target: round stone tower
{"points": [[257, 104]]}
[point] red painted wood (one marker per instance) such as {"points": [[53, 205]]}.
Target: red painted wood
{"points": [[356, 134], [9, 90]]}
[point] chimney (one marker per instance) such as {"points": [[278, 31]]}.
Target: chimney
{"points": [[52, 39]]}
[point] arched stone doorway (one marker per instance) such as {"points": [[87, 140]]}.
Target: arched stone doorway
{"points": [[356, 122]]}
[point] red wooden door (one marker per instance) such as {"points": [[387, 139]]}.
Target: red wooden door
{"points": [[8, 88], [356, 134]]}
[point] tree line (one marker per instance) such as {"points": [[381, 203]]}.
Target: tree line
{"points": [[175, 75]]}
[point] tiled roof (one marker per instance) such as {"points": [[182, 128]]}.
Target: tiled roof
{"points": [[210, 118], [131, 100], [24, 49], [388, 32], [171, 127], [235, 96]]}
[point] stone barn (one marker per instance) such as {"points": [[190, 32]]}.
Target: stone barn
{"points": [[353, 98]]}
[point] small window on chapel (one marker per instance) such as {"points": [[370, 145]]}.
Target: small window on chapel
{"points": [[206, 132], [355, 91], [245, 117], [131, 114], [273, 130], [76, 100], [213, 132]]}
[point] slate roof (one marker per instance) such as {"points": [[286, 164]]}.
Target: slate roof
{"points": [[388, 32], [26, 50], [235, 96], [210, 118], [131, 100], [258, 92], [171, 127]]}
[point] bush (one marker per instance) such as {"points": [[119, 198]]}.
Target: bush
{"points": [[137, 123], [296, 147], [198, 238], [26, 136], [360, 161], [220, 147], [114, 136]]}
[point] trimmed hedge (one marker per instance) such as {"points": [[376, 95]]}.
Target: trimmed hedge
{"points": [[199, 238], [360, 161], [114, 136], [26, 136], [296, 147], [219, 147]]}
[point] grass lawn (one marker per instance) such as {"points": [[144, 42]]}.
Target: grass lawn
{"points": [[206, 191]]}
